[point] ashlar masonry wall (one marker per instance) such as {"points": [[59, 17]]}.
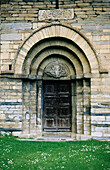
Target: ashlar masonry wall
{"points": [[10, 104], [19, 19]]}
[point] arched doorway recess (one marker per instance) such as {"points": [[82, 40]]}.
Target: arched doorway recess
{"points": [[53, 57]]}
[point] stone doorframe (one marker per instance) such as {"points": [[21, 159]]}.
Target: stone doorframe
{"points": [[81, 110]]}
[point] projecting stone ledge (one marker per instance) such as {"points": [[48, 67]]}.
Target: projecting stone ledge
{"points": [[56, 14]]}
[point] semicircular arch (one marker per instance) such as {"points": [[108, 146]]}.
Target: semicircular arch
{"points": [[57, 30], [56, 44], [57, 59], [65, 55]]}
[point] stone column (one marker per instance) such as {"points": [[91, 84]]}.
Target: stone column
{"points": [[80, 109], [39, 108], [33, 109], [87, 108], [25, 107], [73, 97]]}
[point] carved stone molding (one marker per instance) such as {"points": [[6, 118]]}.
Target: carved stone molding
{"points": [[56, 69], [56, 14]]}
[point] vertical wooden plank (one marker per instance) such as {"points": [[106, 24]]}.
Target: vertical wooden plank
{"points": [[57, 4], [73, 96]]}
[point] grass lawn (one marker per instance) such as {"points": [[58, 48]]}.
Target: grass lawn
{"points": [[73, 155]]}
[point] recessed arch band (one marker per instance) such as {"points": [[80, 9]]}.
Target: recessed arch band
{"points": [[56, 37]]}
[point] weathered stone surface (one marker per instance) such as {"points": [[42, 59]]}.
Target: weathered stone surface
{"points": [[56, 14], [16, 26], [19, 106], [56, 69], [10, 37]]}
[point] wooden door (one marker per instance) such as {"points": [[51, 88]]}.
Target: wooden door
{"points": [[56, 106]]}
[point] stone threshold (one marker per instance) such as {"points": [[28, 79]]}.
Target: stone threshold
{"points": [[60, 139], [63, 136], [51, 139]]}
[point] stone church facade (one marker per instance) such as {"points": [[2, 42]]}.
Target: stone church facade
{"points": [[55, 68]]}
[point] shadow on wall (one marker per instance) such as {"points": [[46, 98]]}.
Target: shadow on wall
{"points": [[5, 1]]}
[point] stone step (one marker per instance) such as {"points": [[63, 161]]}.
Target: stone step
{"points": [[54, 138], [57, 134]]}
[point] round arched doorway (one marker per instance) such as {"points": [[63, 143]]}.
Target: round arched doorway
{"points": [[60, 63]]}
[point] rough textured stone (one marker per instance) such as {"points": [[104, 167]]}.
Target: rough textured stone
{"points": [[10, 37], [56, 14], [27, 49], [16, 26]]}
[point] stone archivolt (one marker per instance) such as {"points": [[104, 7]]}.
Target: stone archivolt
{"points": [[55, 49], [59, 40]]}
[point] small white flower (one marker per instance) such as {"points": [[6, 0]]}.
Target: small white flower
{"points": [[10, 162], [62, 167]]}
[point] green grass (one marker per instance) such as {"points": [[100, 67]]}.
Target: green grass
{"points": [[41, 155]]}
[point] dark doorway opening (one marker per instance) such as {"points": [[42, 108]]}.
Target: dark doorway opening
{"points": [[57, 106]]}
